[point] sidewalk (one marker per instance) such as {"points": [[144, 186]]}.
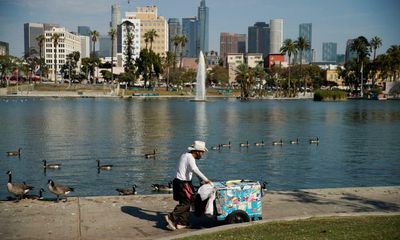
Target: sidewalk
{"points": [[141, 216]]}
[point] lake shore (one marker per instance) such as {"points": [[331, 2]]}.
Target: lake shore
{"points": [[141, 216]]}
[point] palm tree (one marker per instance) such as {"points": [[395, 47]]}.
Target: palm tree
{"points": [[361, 46], [288, 48], [95, 35], [301, 45], [149, 37], [393, 54], [177, 41], [112, 33], [40, 39], [184, 40], [375, 43], [55, 38]]}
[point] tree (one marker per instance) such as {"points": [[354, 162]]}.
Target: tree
{"points": [[56, 37], [40, 39], [177, 41], [112, 33], [361, 46], [95, 35], [149, 37], [168, 61], [184, 40], [129, 64], [394, 60], [301, 45], [219, 75], [289, 48], [244, 76], [148, 65], [71, 65], [375, 43]]}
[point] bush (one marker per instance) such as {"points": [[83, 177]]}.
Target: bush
{"points": [[329, 95]]}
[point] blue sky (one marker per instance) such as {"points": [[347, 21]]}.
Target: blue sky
{"points": [[333, 21]]}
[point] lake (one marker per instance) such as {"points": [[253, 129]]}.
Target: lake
{"points": [[359, 142]]}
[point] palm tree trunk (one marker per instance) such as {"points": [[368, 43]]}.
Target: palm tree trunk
{"points": [[289, 77], [55, 64]]}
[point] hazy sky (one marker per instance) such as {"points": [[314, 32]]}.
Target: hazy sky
{"points": [[332, 21]]}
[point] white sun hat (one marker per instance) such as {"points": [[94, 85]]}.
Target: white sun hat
{"points": [[198, 146]]}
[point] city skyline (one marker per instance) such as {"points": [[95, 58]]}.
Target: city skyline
{"points": [[331, 22]]}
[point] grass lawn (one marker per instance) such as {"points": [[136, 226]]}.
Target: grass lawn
{"points": [[366, 227]]}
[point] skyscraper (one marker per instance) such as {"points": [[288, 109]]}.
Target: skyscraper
{"points": [[190, 29], [203, 27], [329, 51], [84, 31], [305, 31], [31, 32], [232, 43], [4, 48], [175, 29], [276, 35], [105, 46], [259, 38], [115, 21]]}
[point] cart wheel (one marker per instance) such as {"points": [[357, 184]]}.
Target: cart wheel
{"points": [[238, 216]]}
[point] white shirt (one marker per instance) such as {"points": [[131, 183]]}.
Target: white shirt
{"points": [[186, 166]]}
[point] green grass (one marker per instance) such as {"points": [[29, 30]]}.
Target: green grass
{"points": [[370, 227], [329, 95]]}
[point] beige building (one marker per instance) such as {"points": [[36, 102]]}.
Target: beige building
{"points": [[254, 59], [332, 75], [149, 20], [233, 60], [67, 43]]}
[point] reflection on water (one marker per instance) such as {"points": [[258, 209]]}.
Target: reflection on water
{"points": [[359, 141]]}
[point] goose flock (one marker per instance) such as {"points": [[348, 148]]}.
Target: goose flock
{"points": [[280, 142]]}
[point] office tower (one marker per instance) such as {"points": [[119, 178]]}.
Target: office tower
{"points": [[276, 35], [350, 54], [4, 48], [190, 28], [329, 51], [305, 31], [175, 29], [231, 43], [67, 43], [32, 31], [202, 15], [149, 20], [259, 38], [105, 46], [84, 31], [115, 21]]}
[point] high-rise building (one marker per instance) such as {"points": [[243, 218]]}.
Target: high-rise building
{"points": [[203, 13], [231, 43], [150, 20], [305, 31], [85, 46], [350, 54], [175, 29], [259, 38], [31, 32], [190, 28], [115, 21], [67, 43], [84, 31], [4, 48], [105, 46], [329, 51], [276, 35]]}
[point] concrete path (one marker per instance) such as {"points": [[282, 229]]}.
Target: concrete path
{"points": [[140, 217]]}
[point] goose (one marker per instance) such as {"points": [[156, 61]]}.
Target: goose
{"points": [[58, 190], [150, 155], [162, 188], [280, 142], [52, 165], [103, 167], [259, 143], [244, 144], [295, 141], [314, 140], [18, 189], [14, 153], [216, 147], [228, 145], [36, 197], [127, 191]]}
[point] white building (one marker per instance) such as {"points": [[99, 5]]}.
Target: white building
{"points": [[254, 59], [67, 43], [85, 46], [233, 60], [276, 35]]}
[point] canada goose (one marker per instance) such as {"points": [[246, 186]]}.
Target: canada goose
{"points": [[216, 147], [244, 144], [259, 143], [295, 141], [280, 142], [36, 197], [103, 167], [314, 140], [150, 155], [14, 153], [18, 189], [228, 145], [162, 188], [52, 165], [127, 191], [58, 190]]}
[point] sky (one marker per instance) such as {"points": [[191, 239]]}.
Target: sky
{"points": [[332, 21]]}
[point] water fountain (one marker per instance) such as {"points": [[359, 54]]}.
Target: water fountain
{"points": [[201, 80]]}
